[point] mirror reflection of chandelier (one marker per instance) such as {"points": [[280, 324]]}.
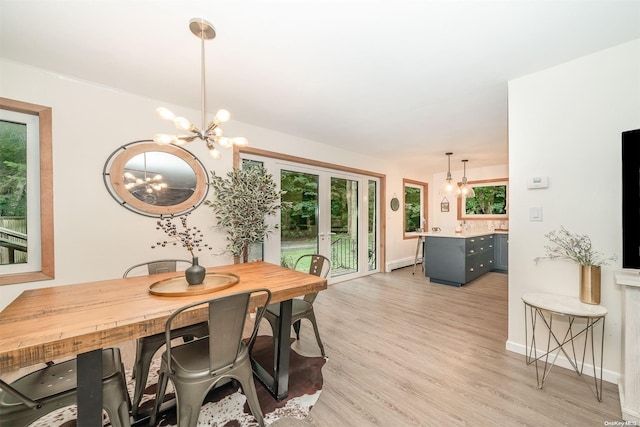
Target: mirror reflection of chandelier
{"points": [[146, 181], [212, 134]]}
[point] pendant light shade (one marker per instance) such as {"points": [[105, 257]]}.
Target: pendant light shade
{"points": [[465, 190], [448, 187]]}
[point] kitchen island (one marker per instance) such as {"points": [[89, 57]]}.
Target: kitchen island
{"points": [[458, 258]]}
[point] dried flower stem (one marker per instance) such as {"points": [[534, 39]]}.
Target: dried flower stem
{"points": [[573, 247], [190, 238]]}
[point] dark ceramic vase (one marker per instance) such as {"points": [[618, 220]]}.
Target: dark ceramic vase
{"points": [[195, 273]]}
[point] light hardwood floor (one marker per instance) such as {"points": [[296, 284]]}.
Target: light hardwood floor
{"points": [[405, 352]]}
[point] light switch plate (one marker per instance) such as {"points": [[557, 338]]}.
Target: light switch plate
{"points": [[535, 214]]}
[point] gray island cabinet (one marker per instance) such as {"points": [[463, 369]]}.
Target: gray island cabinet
{"points": [[458, 259], [501, 258]]}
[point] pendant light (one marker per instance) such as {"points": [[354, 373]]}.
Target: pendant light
{"points": [[465, 190], [448, 187], [211, 134]]}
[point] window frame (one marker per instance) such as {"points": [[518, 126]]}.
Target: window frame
{"points": [[424, 195], [45, 166]]}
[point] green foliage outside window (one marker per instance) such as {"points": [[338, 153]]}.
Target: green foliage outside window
{"points": [[490, 200], [412, 209], [13, 169], [298, 216]]}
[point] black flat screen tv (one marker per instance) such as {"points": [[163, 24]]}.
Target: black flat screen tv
{"points": [[631, 199]]}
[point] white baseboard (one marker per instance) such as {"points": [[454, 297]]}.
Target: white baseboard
{"points": [[400, 263], [607, 375]]}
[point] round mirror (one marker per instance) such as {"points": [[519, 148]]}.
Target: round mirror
{"points": [[155, 180], [395, 204]]}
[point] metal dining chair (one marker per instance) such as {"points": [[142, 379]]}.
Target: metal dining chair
{"points": [[41, 392], [146, 347], [197, 366], [302, 308]]}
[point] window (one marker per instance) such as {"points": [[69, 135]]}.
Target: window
{"points": [[490, 202], [38, 261], [415, 206]]}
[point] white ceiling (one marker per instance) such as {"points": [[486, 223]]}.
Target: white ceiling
{"points": [[405, 80]]}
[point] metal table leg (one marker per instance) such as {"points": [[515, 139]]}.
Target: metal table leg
{"points": [[89, 382], [278, 384], [576, 361]]}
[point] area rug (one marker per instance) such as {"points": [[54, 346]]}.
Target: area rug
{"points": [[226, 406]]}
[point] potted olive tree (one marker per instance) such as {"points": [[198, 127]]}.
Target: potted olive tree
{"points": [[242, 201]]}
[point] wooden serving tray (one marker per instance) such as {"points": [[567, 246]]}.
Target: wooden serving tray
{"points": [[178, 287]]}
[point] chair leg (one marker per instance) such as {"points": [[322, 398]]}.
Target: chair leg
{"points": [[163, 378], [118, 414], [296, 328], [249, 388], [312, 318], [146, 348], [116, 401], [144, 356], [189, 397], [274, 332]]}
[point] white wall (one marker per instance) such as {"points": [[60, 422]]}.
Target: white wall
{"points": [[97, 239], [566, 122]]}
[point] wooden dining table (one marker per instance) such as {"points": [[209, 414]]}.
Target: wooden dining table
{"points": [[81, 319]]}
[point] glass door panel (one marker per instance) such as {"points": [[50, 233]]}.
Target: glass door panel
{"points": [[372, 216], [344, 226], [325, 212], [299, 216]]}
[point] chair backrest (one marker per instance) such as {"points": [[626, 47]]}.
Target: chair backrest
{"points": [[158, 266], [319, 265], [227, 315]]}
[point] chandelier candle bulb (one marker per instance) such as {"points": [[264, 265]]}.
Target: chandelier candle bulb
{"points": [[222, 116], [224, 142], [240, 141], [215, 154], [165, 113], [183, 123], [163, 138]]}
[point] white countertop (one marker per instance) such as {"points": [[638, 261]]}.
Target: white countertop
{"points": [[462, 235]]}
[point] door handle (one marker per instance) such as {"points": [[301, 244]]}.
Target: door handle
{"points": [[322, 236]]}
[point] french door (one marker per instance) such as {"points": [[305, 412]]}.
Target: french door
{"points": [[325, 212]]}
